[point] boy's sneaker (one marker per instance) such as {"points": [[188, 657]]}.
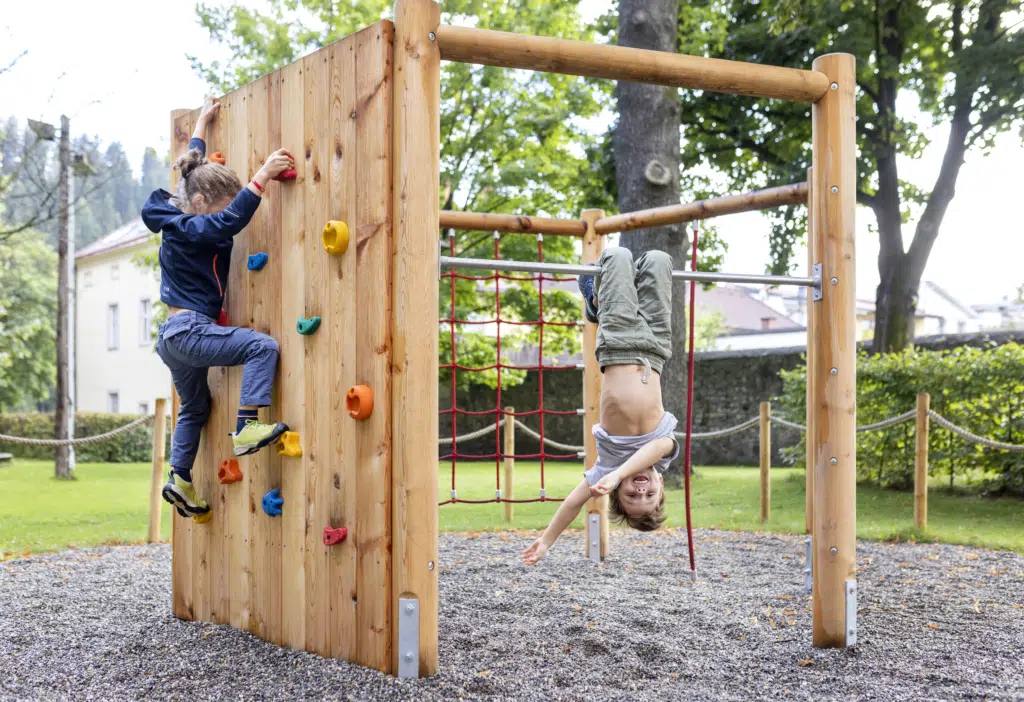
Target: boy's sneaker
{"points": [[255, 436], [586, 285], [180, 493]]}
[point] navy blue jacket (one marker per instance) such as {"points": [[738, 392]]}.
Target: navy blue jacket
{"points": [[195, 250]]}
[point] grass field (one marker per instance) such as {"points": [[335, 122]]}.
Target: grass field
{"points": [[109, 503]]}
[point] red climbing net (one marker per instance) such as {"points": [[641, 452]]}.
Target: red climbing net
{"points": [[498, 412]]}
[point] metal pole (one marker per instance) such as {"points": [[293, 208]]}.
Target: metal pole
{"points": [[484, 264]]}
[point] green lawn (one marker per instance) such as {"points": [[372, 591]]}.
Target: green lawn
{"points": [[109, 504]]}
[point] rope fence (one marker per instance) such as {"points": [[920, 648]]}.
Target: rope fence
{"points": [[79, 441]]}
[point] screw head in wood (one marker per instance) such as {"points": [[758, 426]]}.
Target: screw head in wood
{"points": [[834, 86], [835, 281], [833, 460], [432, 38], [833, 550], [835, 188], [834, 371], [430, 566]]}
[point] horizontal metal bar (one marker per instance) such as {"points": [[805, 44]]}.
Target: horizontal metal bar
{"points": [[485, 264]]}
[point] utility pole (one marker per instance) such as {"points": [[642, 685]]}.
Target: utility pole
{"points": [[64, 417]]}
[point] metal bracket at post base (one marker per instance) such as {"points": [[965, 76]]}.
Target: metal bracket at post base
{"points": [[408, 638], [816, 294], [808, 566], [851, 612], [594, 537]]}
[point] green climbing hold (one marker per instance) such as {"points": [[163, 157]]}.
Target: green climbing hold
{"points": [[307, 326]]}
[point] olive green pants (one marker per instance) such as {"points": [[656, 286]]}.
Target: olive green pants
{"points": [[634, 308]]}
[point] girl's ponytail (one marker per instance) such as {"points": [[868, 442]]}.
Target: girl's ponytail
{"points": [[200, 177]]}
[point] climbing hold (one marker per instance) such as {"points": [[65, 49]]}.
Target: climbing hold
{"points": [[257, 261], [286, 175], [203, 518], [272, 502], [333, 537], [359, 401], [217, 157], [307, 326], [288, 444], [335, 237], [229, 471]]}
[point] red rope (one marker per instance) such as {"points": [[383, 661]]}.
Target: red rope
{"points": [[689, 404]]}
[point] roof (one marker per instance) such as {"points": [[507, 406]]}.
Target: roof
{"points": [[741, 310], [131, 234], [944, 294]]}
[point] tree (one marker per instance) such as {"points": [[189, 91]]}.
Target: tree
{"points": [[961, 59], [156, 173], [28, 312], [510, 142]]}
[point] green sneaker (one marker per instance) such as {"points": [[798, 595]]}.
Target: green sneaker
{"points": [[255, 436], [180, 493]]}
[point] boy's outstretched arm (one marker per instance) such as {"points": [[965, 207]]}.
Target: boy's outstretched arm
{"points": [[567, 511], [649, 454]]}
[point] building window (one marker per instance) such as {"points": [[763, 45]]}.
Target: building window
{"points": [[143, 408], [115, 272], [113, 403], [113, 327], [87, 279], [145, 322]]}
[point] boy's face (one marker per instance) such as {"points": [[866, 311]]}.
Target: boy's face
{"points": [[641, 493]]}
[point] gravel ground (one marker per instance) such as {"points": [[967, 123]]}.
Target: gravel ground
{"points": [[936, 623]]}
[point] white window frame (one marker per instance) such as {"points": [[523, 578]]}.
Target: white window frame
{"points": [[115, 271], [113, 326], [145, 321], [143, 408], [113, 402]]}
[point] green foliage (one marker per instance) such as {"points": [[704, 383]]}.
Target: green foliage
{"points": [[981, 390], [134, 445], [28, 315]]}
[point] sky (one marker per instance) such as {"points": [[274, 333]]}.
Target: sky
{"points": [[123, 85]]}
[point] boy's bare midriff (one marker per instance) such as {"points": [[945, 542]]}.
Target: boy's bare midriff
{"points": [[630, 407]]}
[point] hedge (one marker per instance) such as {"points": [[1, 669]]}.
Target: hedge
{"points": [[130, 447], [981, 390]]}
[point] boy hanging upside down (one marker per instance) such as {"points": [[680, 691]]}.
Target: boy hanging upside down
{"points": [[632, 306]]}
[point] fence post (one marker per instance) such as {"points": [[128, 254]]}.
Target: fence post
{"points": [[593, 245], [921, 463], [766, 461], [159, 437], [510, 461]]}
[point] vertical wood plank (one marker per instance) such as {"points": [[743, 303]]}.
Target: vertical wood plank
{"points": [[414, 325], [811, 408], [766, 461], [291, 383], [510, 462], [921, 462], [317, 448], [156, 483], [593, 246], [373, 251], [834, 346], [340, 357], [182, 124]]}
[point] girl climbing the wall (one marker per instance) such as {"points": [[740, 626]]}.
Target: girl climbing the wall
{"points": [[197, 227]]}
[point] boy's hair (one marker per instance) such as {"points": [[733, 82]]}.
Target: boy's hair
{"points": [[646, 522], [200, 177]]}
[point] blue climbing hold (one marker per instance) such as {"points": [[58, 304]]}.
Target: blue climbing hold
{"points": [[272, 502], [257, 261]]}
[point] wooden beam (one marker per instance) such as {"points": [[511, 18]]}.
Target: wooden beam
{"points": [[811, 377], [593, 245], [580, 58], [833, 351], [416, 174], [766, 461], [486, 222], [156, 484], [704, 209], [921, 463]]}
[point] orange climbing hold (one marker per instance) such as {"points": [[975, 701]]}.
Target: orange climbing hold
{"points": [[217, 157], [229, 471], [359, 401], [288, 444], [335, 237]]}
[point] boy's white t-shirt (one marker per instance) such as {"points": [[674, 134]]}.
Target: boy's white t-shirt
{"points": [[613, 451]]}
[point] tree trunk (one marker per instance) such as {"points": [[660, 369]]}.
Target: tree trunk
{"points": [[647, 167]]}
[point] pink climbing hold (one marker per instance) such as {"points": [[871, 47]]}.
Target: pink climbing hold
{"points": [[333, 536]]}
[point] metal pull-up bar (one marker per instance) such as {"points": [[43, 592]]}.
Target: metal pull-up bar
{"points": [[485, 264], [580, 58]]}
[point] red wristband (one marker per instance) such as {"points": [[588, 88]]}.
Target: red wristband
{"points": [[258, 186]]}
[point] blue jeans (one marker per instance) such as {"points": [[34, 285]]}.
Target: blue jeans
{"points": [[190, 343]]}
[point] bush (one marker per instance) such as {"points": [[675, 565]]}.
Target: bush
{"points": [[130, 447], [979, 389]]}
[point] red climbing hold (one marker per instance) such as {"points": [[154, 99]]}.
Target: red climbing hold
{"points": [[289, 174], [229, 471], [333, 536]]}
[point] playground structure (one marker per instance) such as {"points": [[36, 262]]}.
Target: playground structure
{"points": [[349, 569]]}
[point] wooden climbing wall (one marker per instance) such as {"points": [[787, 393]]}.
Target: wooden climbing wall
{"points": [[273, 576]]}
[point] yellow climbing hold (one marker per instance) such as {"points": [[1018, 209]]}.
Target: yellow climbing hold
{"points": [[335, 237], [203, 518], [288, 444]]}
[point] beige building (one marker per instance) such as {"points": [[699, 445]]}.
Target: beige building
{"points": [[117, 369]]}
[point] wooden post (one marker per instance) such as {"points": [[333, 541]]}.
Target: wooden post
{"points": [[833, 351], [159, 439], [766, 461], [416, 173], [510, 461], [921, 463], [593, 245], [812, 378]]}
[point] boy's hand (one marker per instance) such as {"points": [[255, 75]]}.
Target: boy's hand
{"points": [[209, 111], [606, 484], [535, 552], [277, 163]]}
